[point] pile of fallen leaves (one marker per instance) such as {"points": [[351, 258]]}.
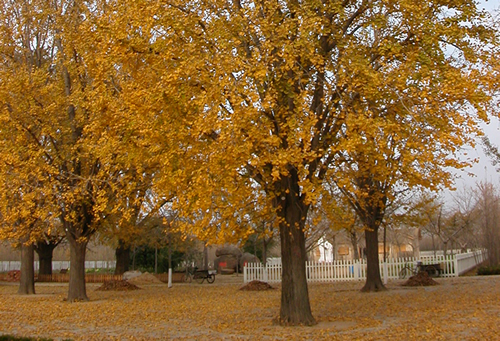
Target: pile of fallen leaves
{"points": [[421, 279], [145, 278], [13, 276], [117, 286], [256, 286]]}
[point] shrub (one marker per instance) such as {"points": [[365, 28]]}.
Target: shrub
{"points": [[488, 270]]}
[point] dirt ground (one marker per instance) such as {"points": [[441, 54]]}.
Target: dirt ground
{"points": [[465, 308]]}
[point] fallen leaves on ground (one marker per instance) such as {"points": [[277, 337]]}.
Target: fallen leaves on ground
{"points": [[458, 309]]}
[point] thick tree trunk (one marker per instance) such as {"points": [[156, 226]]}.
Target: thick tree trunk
{"points": [[27, 283], [122, 254], [373, 279], [295, 306], [45, 252], [77, 291], [354, 242]]}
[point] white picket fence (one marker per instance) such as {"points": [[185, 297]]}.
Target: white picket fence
{"points": [[352, 270], [6, 266]]}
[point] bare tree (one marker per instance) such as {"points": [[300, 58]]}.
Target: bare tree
{"points": [[488, 207]]}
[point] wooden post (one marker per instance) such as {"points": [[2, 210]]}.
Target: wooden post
{"points": [[385, 271]]}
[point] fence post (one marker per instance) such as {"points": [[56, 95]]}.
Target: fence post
{"points": [[455, 265], [265, 273], [385, 272], [245, 269], [356, 267]]}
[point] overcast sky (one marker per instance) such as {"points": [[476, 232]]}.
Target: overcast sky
{"points": [[483, 170]]}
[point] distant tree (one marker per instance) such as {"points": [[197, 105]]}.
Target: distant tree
{"points": [[488, 206], [44, 247]]}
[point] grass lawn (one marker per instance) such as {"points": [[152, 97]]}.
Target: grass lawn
{"points": [[465, 308]]}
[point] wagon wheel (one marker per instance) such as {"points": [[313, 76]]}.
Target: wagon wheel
{"points": [[404, 272], [431, 271], [199, 277], [187, 278], [211, 278]]}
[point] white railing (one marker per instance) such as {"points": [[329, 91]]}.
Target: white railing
{"points": [[441, 252], [467, 261], [351, 270], [6, 266]]}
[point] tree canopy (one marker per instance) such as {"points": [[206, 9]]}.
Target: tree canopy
{"points": [[239, 105]]}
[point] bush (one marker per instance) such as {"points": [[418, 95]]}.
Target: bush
{"points": [[488, 270]]}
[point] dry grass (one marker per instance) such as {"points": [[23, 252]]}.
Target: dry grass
{"points": [[458, 309]]}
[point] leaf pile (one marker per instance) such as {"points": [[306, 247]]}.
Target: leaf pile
{"points": [[256, 286], [117, 286], [145, 278], [421, 279], [13, 276]]}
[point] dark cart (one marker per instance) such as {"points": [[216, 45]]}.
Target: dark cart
{"points": [[199, 275], [433, 270]]}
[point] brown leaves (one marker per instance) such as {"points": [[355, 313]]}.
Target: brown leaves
{"points": [[256, 286], [420, 279], [117, 286]]}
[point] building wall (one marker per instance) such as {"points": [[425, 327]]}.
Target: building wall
{"points": [[95, 251]]}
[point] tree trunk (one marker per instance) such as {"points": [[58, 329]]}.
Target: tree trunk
{"points": [[156, 259], [205, 257], [334, 248], [27, 282], [354, 242], [295, 306], [255, 246], [264, 251], [133, 258], [385, 244], [77, 291], [169, 253], [416, 251], [122, 254], [45, 252], [373, 279]]}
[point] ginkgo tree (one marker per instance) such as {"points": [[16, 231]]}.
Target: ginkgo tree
{"points": [[24, 211], [147, 88], [40, 88], [303, 90], [49, 97]]}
